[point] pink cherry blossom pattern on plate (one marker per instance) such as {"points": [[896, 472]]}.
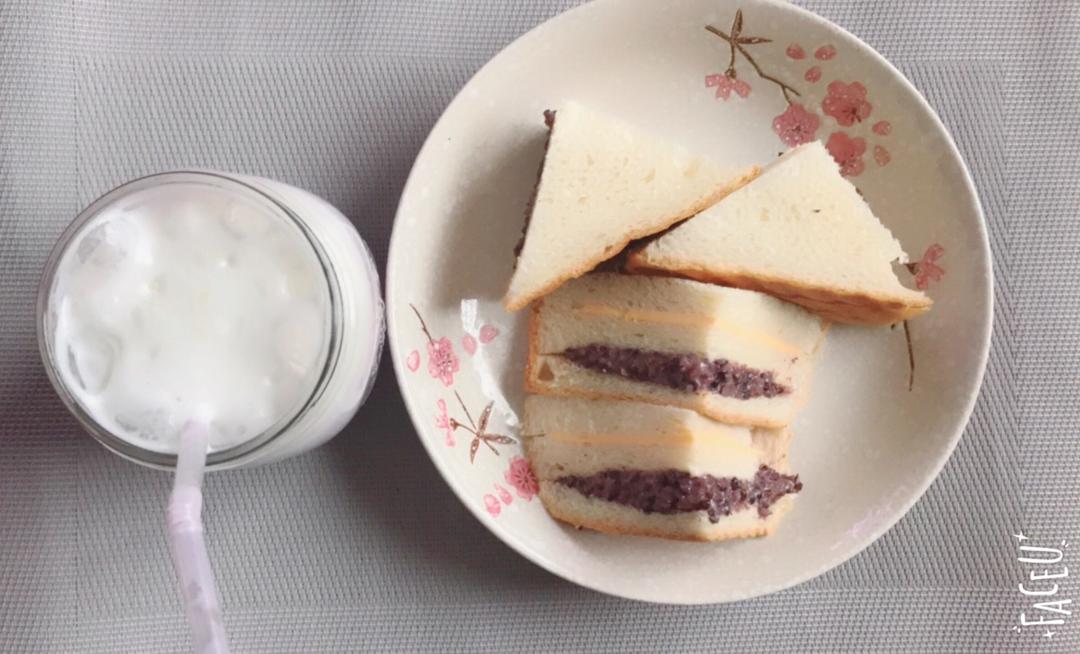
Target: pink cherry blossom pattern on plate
{"points": [[468, 343], [725, 85], [442, 421], [927, 270], [521, 477], [846, 103], [882, 128], [412, 362], [795, 51], [488, 333], [825, 53], [813, 74], [504, 494], [442, 362], [796, 125], [492, 505], [722, 83], [847, 152], [881, 155]]}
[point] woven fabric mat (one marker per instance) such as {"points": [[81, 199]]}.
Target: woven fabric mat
{"points": [[358, 546]]}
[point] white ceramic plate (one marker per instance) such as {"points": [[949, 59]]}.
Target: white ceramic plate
{"points": [[865, 447]]}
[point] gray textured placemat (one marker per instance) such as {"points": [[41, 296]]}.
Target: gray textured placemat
{"points": [[359, 545]]}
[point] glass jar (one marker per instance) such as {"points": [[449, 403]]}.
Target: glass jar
{"points": [[347, 327]]}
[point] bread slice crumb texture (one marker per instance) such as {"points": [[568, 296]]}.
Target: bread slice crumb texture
{"points": [[800, 231], [605, 183]]}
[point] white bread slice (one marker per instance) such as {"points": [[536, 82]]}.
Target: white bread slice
{"points": [[677, 316], [801, 232], [574, 436], [603, 184], [577, 436]]}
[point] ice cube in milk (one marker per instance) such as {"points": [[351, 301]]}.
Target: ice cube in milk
{"points": [[190, 304]]}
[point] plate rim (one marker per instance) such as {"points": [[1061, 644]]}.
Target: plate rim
{"points": [[518, 545]]}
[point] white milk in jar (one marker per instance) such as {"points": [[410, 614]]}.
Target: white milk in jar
{"points": [[241, 303]]}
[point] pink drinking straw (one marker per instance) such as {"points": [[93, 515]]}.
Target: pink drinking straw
{"points": [[185, 527]]}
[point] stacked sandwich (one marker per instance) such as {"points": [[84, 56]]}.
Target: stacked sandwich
{"points": [[660, 395]]}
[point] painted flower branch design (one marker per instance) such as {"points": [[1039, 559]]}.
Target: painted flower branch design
{"points": [[442, 362], [521, 477], [927, 270], [737, 43], [442, 423], [796, 125], [443, 365], [847, 152], [479, 430], [845, 103]]}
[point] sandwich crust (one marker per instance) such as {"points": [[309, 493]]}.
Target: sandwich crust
{"points": [[829, 302]]}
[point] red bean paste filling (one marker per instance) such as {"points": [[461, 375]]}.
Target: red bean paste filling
{"points": [[549, 120], [673, 491], [684, 372]]}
